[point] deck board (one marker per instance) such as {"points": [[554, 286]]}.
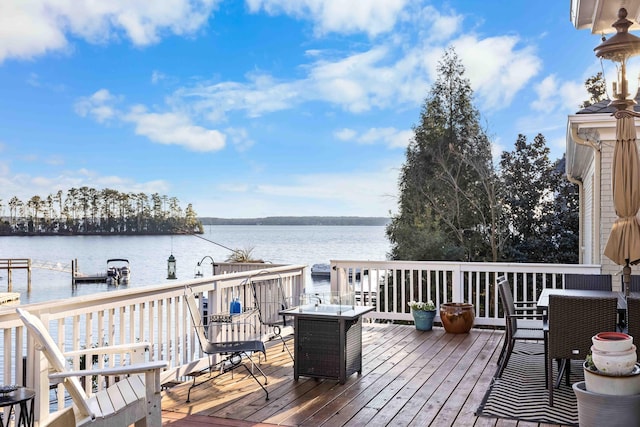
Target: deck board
{"points": [[410, 378]]}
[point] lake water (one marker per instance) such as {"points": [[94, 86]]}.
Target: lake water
{"points": [[148, 254]]}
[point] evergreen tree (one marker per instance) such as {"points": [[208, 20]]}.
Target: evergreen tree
{"points": [[525, 178], [447, 206], [540, 206], [595, 85], [561, 218]]}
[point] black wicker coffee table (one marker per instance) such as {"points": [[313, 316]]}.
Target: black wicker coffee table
{"points": [[328, 340]]}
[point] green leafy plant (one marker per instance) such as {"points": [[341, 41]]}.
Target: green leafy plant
{"points": [[419, 305]]}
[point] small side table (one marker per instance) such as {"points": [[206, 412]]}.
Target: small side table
{"points": [[24, 398]]}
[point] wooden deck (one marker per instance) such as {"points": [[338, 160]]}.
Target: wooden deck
{"points": [[409, 378]]}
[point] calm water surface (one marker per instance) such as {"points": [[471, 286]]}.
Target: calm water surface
{"points": [[148, 254]]}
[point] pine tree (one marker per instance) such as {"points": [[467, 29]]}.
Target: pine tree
{"points": [[448, 206]]}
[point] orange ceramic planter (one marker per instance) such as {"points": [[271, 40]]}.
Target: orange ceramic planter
{"points": [[457, 317]]}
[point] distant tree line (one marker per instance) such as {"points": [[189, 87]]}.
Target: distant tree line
{"points": [[86, 210], [298, 220]]}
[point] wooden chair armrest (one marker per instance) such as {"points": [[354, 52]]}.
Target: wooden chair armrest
{"points": [[137, 368]]}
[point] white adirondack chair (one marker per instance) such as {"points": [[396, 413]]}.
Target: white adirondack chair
{"points": [[133, 399]]}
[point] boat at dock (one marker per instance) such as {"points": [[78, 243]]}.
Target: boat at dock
{"points": [[321, 270], [118, 271]]}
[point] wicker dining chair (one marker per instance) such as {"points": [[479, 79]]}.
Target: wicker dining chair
{"points": [[634, 285], [633, 321], [599, 282], [573, 321], [522, 323]]}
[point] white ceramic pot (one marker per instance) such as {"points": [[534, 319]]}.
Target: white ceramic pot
{"points": [[612, 341], [625, 385], [614, 362]]}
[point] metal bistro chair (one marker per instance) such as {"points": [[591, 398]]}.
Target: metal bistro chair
{"points": [[234, 351], [599, 282], [573, 321], [270, 300], [633, 323], [522, 323]]}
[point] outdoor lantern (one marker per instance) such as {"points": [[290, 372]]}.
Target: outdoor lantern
{"points": [[171, 267], [198, 271], [618, 48], [199, 266]]}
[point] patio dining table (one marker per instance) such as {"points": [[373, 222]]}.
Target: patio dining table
{"points": [[543, 299]]}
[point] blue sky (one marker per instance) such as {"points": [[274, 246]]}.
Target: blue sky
{"points": [[266, 107]]}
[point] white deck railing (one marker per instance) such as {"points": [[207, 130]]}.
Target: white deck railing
{"points": [[390, 285], [157, 314]]}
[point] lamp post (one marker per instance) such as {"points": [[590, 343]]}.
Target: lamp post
{"points": [[199, 266], [623, 246]]}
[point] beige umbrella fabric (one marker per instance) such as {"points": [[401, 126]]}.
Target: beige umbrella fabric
{"points": [[623, 246]]}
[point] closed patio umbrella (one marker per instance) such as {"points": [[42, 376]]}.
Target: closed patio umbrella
{"points": [[623, 246]]}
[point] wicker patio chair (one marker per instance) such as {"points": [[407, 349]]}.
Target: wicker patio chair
{"points": [[633, 323], [522, 323], [573, 321], [599, 282], [270, 300], [235, 352], [634, 285]]}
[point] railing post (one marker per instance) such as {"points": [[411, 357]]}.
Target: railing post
{"points": [[29, 275], [456, 287], [9, 284]]}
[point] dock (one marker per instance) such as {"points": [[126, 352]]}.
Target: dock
{"points": [[11, 264]]}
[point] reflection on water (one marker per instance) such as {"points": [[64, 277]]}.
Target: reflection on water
{"points": [[148, 255]]}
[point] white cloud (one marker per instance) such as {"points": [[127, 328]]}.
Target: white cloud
{"points": [[497, 68], [386, 74], [169, 128], [391, 137], [174, 128], [240, 138], [32, 28], [157, 76], [369, 16], [100, 106], [345, 134]]}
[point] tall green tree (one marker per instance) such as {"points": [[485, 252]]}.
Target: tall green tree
{"points": [[597, 89], [447, 208], [540, 206]]}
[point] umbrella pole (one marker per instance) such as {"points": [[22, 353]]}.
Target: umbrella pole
{"points": [[626, 278]]}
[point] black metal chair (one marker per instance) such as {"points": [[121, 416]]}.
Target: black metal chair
{"points": [[269, 300], [633, 320], [600, 282], [573, 321], [522, 323], [235, 352]]}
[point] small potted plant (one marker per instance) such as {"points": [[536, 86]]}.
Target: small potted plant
{"points": [[423, 314]]}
